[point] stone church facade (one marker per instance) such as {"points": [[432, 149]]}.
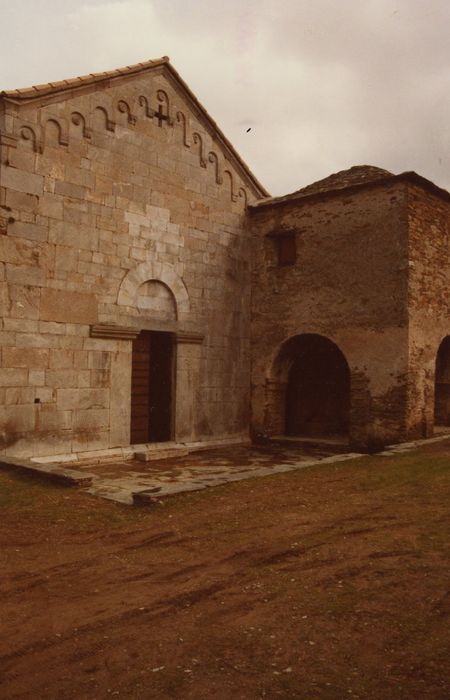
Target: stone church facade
{"points": [[152, 292]]}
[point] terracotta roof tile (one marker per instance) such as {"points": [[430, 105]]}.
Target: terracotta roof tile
{"points": [[355, 176], [56, 86]]}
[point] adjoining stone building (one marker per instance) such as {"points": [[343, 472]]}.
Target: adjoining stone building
{"points": [[350, 305], [152, 292]]}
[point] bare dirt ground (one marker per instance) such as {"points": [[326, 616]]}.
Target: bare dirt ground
{"points": [[330, 583]]}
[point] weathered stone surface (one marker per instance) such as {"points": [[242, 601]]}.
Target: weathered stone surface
{"points": [[352, 283], [119, 428], [19, 395], [118, 220], [34, 358], [21, 181], [54, 473], [13, 377], [82, 398], [50, 418], [24, 302], [70, 307], [92, 419], [32, 232], [141, 231], [17, 419]]}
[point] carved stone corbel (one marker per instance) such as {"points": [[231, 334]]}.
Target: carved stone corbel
{"points": [[124, 108], [149, 112], [214, 158], [181, 118], [163, 99], [198, 139], [80, 120], [28, 133]]}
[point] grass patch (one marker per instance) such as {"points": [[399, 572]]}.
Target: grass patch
{"points": [[37, 502], [410, 468]]}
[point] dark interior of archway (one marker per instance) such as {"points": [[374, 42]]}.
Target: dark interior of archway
{"points": [[442, 386], [318, 390]]}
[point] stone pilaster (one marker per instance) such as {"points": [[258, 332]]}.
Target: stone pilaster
{"points": [[187, 382]]}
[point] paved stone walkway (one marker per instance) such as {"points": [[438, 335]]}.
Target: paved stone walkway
{"points": [[145, 482], [140, 482]]}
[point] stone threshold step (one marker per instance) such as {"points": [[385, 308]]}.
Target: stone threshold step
{"points": [[161, 450], [335, 443], [149, 455], [50, 472]]}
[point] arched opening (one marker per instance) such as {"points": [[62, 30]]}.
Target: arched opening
{"points": [[442, 384], [314, 388], [153, 366]]}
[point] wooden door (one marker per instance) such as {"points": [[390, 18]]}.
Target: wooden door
{"points": [[161, 371], [140, 389], [151, 387]]}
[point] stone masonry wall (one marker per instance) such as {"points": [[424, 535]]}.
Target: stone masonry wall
{"points": [[97, 198], [429, 301], [349, 284]]}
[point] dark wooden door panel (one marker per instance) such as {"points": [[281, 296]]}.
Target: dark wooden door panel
{"points": [[140, 389], [161, 368], [151, 387]]}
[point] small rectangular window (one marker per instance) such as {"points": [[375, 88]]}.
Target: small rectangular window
{"points": [[287, 249]]}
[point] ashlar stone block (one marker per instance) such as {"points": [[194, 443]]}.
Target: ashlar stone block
{"points": [[91, 419], [19, 395], [24, 302], [67, 306], [68, 399], [13, 377], [33, 358], [31, 231], [22, 181], [49, 417], [18, 419]]}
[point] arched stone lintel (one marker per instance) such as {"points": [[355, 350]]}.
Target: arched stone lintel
{"points": [[279, 363], [158, 272]]}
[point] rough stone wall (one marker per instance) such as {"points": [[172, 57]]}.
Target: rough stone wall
{"points": [[97, 199], [349, 284], [429, 301]]}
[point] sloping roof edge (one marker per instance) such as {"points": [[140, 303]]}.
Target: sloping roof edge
{"points": [[35, 92], [42, 93], [408, 175]]}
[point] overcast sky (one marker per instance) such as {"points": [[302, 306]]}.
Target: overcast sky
{"points": [[323, 84]]}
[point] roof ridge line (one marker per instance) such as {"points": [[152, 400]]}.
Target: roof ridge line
{"points": [[59, 85]]}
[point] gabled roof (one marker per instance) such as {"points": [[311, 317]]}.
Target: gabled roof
{"points": [[356, 177], [64, 89]]}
